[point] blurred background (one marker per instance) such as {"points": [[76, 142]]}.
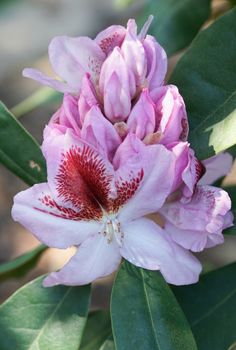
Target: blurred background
{"points": [[26, 27]]}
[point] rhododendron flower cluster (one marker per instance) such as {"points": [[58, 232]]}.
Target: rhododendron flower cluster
{"points": [[116, 152]]}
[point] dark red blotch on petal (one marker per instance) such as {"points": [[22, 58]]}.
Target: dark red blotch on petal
{"points": [[126, 190], [110, 42], [85, 181]]}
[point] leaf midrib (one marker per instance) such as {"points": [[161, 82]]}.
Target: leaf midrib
{"points": [[211, 311], [150, 313], [35, 341]]}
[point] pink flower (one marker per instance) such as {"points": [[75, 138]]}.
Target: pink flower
{"points": [[198, 224], [99, 206], [117, 151], [199, 215], [144, 59]]}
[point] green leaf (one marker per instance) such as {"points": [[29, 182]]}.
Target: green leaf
{"points": [[108, 345], [20, 266], [176, 21], [19, 152], [232, 151], [232, 193], [206, 77], [97, 330], [38, 318], [145, 314], [233, 3], [210, 308]]}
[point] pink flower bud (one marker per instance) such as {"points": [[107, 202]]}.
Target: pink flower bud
{"points": [[142, 117], [67, 116], [134, 54], [87, 98], [156, 62], [116, 86], [100, 133], [171, 116]]}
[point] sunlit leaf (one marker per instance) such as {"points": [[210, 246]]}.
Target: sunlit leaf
{"points": [[206, 77]]}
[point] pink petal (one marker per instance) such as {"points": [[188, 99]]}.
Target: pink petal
{"points": [[87, 97], [171, 114], [94, 259], [100, 133], [157, 165], [147, 245], [53, 225], [141, 120], [35, 74], [216, 167], [181, 151], [193, 239], [192, 174], [134, 53], [71, 58], [156, 62], [67, 116], [194, 223], [78, 176], [228, 220], [115, 87], [111, 37]]}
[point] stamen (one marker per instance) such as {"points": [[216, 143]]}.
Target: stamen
{"points": [[111, 228], [144, 30]]}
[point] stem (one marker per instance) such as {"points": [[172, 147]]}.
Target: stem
{"points": [[41, 96]]}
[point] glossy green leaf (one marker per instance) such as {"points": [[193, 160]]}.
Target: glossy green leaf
{"points": [[19, 152], [22, 264], [97, 330], [38, 318], [176, 21], [206, 77], [145, 314], [210, 308]]}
